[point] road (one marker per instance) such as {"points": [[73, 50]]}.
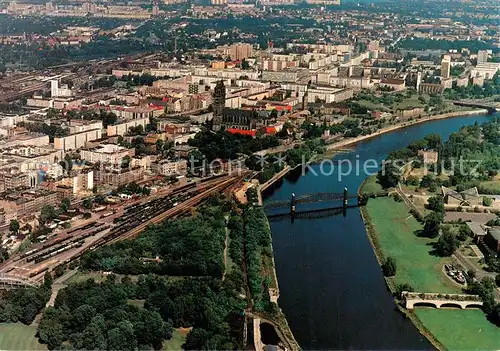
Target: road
{"points": [[480, 273]]}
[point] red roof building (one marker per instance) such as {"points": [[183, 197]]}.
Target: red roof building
{"points": [[251, 133]]}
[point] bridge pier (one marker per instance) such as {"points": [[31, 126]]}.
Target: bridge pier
{"points": [[293, 206], [345, 202]]}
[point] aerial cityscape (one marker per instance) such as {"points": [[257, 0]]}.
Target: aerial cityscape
{"points": [[250, 175]]}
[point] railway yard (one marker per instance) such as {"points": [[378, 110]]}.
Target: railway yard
{"points": [[125, 222]]}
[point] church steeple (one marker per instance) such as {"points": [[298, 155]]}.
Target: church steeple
{"points": [[218, 103]]}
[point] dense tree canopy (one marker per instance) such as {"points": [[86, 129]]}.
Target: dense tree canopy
{"points": [[187, 247], [89, 315], [23, 304]]}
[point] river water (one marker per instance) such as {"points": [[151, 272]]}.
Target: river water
{"points": [[331, 287]]}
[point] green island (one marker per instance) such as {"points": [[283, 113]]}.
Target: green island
{"points": [[426, 228]]}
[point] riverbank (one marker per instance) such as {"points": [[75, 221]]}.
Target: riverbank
{"points": [[391, 230], [379, 254], [278, 318], [406, 124]]}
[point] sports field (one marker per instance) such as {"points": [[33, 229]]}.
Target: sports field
{"points": [[461, 329], [396, 231], [17, 336]]}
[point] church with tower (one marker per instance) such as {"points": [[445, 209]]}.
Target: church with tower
{"points": [[226, 118]]}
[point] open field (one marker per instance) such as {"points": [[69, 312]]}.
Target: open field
{"points": [[396, 231], [79, 277], [177, 340], [461, 329], [409, 103], [373, 106], [136, 303], [491, 185], [17, 336]]}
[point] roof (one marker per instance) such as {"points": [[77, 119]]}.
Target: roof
{"points": [[241, 131], [495, 233], [450, 192], [468, 194], [270, 130], [227, 111], [476, 228]]}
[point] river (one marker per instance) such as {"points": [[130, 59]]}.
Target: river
{"points": [[331, 287]]}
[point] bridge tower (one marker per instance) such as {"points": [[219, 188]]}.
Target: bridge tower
{"points": [[345, 202], [292, 206]]}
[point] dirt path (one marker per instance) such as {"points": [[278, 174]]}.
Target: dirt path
{"points": [[225, 253]]}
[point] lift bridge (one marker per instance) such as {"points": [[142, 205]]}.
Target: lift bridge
{"points": [[337, 203]]}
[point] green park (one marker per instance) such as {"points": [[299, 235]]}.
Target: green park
{"points": [[395, 234], [18, 336]]}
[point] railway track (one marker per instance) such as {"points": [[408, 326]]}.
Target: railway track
{"points": [[136, 217], [184, 206]]}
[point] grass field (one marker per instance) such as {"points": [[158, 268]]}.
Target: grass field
{"points": [[136, 303], [17, 336], [461, 329], [370, 186], [409, 103], [395, 229], [491, 185], [372, 106], [177, 340], [79, 277]]}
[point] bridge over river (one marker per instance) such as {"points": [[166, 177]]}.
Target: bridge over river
{"points": [[463, 301], [335, 202], [489, 106]]}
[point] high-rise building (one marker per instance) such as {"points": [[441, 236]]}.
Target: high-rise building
{"points": [[218, 103], [59, 91], [54, 88], [374, 45], [445, 67], [239, 51], [49, 6], [482, 56], [156, 10]]}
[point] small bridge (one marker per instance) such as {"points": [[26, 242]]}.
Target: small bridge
{"points": [[342, 200], [11, 281], [436, 300]]}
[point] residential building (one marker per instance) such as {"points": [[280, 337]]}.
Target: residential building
{"points": [[170, 168], [117, 176], [482, 56], [122, 128], [26, 202], [445, 67], [77, 140], [107, 154]]}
